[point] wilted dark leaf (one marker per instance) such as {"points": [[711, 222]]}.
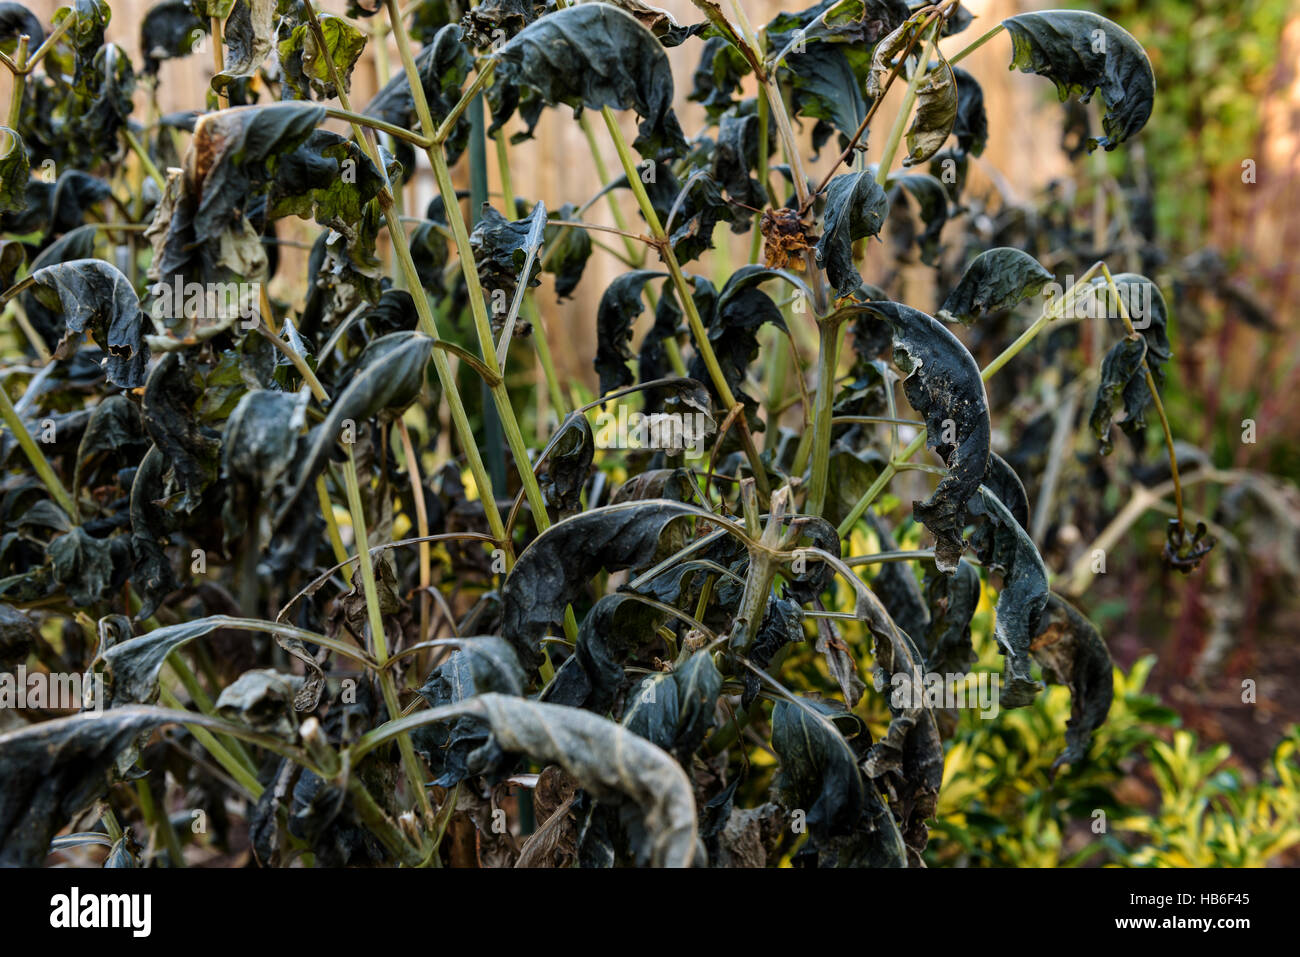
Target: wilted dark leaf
{"points": [[1071, 652], [848, 825], [995, 280], [559, 564], [94, 297], [1122, 363], [943, 383], [1083, 53], [856, 207], [591, 55]]}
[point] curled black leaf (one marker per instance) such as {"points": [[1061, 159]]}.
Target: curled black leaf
{"points": [[856, 206], [995, 280], [94, 297], [943, 383], [1122, 363], [559, 564], [1083, 53], [1071, 652], [591, 55]]}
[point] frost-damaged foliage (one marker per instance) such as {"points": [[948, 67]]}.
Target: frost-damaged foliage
{"points": [[943, 384], [1083, 53], [995, 280], [591, 55], [1071, 652], [395, 574]]}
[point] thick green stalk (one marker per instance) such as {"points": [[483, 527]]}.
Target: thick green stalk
{"points": [[829, 334], [438, 158], [35, 456], [20, 82], [428, 324], [379, 642]]}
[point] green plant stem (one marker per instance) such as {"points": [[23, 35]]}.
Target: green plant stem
{"points": [[966, 51], [35, 456], [145, 160], [428, 324], [438, 158], [829, 333], [158, 819], [20, 82], [687, 301], [208, 740], [379, 642], [374, 123], [190, 682], [331, 523], [756, 239]]}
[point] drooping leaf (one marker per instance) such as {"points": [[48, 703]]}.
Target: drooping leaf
{"points": [[261, 699], [306, 65], [249, 36], [932, 202], [1009, 550], [782, 624], [1122, 364], [55, 770], [995, 280], [192, 450], [567, 251], [971, 127], [943, 384], [568, 465], [1146, 308], [199, 231], [591, 55], [619, 306], [502, 248], [89, 567], [611, 763], [14, 171], [675, 711], [936, 113], [18, 636], [559, 564], [848, 824], [132, 666], [94, 297], [466, 747], [170, 29], [856, 207], [258, 452], [952, 600], [1071, 652], [733, 323], [16, 20], [1083, 53], [389, 375]]}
